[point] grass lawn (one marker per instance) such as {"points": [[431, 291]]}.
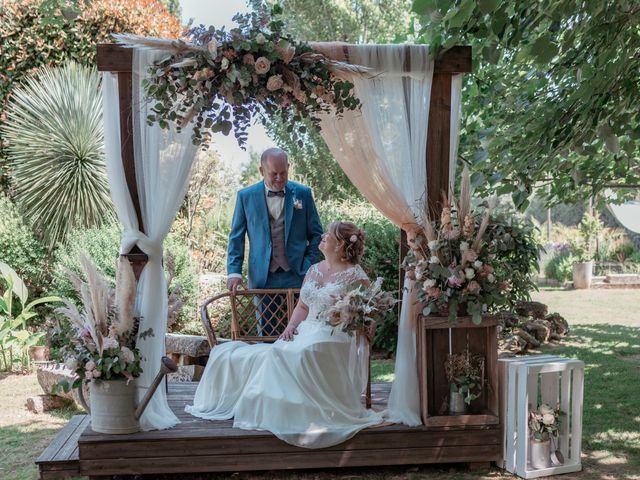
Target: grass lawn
{"points": [[605, 334]]}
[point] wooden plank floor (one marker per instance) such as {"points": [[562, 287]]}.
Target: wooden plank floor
{"points": [[197, 445], [60, 459]]}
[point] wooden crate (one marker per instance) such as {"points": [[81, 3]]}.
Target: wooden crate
{"points": [[543, 379], [432, 345]]}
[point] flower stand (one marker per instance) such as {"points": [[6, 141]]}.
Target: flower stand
{"points": [[433, 336], [526, 383]]}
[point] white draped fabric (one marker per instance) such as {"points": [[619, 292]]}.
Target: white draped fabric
{"points": [[628, 214], [382, 150], [163, 159]]}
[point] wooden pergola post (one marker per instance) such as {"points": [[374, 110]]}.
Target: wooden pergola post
{"points": [[451, 62]]}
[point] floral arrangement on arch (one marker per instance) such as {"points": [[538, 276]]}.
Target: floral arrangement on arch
{"points": [[544, 422], [104, 347], [355, 310], [452, 262], [223, 80]]}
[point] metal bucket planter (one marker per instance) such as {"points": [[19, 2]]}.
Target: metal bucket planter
{"points": [[540, 453], [457, 406], [113, 407], [582, 274]]}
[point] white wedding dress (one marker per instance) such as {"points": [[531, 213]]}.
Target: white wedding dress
{"points": [[306, 391]]}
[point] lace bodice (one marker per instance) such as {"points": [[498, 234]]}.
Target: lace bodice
{"points": [[320, 290]]}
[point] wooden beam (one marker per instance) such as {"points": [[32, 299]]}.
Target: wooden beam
{"points": [[113, 57], [438, 141]]}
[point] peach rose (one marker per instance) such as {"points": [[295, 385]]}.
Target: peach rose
{"points": [[262, 65], [285, 54], [248, 59], [275, 83]]}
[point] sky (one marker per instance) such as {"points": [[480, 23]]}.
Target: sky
{"points": [[219, 13]]}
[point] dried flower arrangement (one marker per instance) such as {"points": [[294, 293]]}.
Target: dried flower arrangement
{"points": [[465, 373], [107, 330], [223, 80]]}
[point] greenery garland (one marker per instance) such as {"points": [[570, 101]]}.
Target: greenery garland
{"points": [[224, 81]]}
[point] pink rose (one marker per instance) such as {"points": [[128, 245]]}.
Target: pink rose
{"points": [[285, 101], [275, 83], [90, 365], [473, 287], [285, 54], [433, 292], [96, 373], [469, 256], [248, 59], [262, 65]]}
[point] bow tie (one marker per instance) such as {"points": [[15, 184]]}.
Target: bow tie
{"points": [[275, 194]]}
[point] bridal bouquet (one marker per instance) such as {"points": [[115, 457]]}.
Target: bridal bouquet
{"points": [[104, 347], [453, 263], [355, 310]]}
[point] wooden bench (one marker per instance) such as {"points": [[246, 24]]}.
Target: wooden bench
{"points": [[252, 309], [60, 459]]}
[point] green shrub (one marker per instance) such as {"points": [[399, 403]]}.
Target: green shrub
{"points": [[560, 266], [21, 249], [381, 257], [102, 244]]}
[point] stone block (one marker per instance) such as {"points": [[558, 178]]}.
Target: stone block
{"points": [[44, 403], [189, 345], [186, 373], [50, 375]]}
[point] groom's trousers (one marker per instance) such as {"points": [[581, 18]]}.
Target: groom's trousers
{"points": [[269, 313]]}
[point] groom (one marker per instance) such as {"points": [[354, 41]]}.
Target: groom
{"points": [[284, 231]]}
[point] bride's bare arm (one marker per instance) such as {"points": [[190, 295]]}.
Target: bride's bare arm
{"points": [[299, 314]]}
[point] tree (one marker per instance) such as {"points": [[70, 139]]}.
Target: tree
{"points": [[357, 21], [55, 137], [552, 100], [37, 33]]}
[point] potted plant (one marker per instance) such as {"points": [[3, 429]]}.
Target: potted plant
{"points": [[465, 374], [104, 352], [543, 426], [583, 249]]}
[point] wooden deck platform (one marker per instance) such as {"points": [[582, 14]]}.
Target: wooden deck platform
{"points": [[196, 446]]}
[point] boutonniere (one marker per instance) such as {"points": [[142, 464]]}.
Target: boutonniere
{"points": [[297, 204]]}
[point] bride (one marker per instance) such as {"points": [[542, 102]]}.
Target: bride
{"points": [[305, 388]]}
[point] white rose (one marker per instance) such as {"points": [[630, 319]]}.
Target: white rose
{"points": [[90, 365], [491, 277], [434, 259], [548, 419], [127, 355], [71, 364], [477, 264], [545, 409], [429, 282], [433, 245], [260, 39], [418, 274], [464, 246], [469, 273], [109, 343], [224, 64], [212, 47]]}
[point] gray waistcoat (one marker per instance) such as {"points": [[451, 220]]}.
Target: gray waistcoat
{"points": [[278, 250]]}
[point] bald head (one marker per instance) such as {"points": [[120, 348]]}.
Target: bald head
{"points": [[274, 167]]}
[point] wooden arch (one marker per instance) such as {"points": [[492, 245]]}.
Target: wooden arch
{"points": [[118, 59]]}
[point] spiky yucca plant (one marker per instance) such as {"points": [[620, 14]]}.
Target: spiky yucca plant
{"points": [[55, 146]]}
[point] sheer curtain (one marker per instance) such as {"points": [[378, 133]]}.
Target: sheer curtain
{"points": [[163, 159], [382, 150]]}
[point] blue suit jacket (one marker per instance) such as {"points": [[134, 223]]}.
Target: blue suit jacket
{"points": [[251, 217]]}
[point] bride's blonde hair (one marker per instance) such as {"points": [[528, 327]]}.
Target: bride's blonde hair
{"points": [[351, 239]]}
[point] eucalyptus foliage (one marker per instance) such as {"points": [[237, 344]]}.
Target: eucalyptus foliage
{"points": [[553, 96], [55, 147]]}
